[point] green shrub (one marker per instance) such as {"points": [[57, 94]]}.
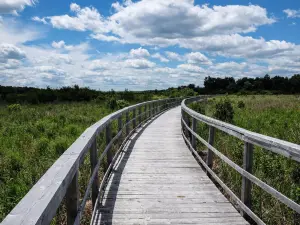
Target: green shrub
{"points": [[60, 145], [241, 105], [14, 108], [224, 111], [198, 107], [112, 103], [42, 145], [122, 104]]}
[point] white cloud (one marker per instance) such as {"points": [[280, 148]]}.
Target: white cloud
{"points": [[87, 18], [102, 37], [139, 63], [197, 58], [176, 19], [37, 19], [160, 57], [9, 51], [14, 6], [191, 68], [61, 45], [173, 56], [226, 66], [139, 53], [291, 13]]}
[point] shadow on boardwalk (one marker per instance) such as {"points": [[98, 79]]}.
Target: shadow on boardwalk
{"points": [[106, 206]]}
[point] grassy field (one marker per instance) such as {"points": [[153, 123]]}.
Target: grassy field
{"points": [[32, 138], [275, 116]]}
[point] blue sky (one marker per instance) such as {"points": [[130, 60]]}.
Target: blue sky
{"points": [[145, 44]]}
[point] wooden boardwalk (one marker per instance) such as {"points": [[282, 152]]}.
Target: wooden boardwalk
{"points": [[156, 180]]}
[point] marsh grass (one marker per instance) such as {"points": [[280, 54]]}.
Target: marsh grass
{"points": [[33, 137]]}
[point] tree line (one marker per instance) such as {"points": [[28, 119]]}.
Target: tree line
{"points": [[245, 85]]}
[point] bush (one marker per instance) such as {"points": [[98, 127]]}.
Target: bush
{"points": [[14, 108], [198, 107], [241, 105], [122, 104], [112, 103], [224, 111]]}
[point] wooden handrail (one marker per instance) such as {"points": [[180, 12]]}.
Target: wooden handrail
{"points": [[40, 204], [250, 139]]}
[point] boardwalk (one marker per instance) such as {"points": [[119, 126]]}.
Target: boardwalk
{"points": [[157, 181]]}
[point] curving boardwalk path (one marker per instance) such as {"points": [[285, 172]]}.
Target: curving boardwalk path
{"points": [[156, 180]]}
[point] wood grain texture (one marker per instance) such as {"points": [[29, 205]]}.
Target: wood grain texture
{"points": [[156, 180]]}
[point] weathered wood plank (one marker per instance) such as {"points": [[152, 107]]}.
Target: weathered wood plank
{"points": [[158, 181]]}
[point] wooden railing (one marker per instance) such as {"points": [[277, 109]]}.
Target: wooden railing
{"points": [[250, 139], [40, 204]]}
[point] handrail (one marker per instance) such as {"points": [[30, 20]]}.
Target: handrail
{"points": [[284, 148], [40, 204]]}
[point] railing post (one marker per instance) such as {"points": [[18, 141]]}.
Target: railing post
{"points": [[127, 125], [211, 139], [146, 113], [93, 161], [134, 118], [246, 184], [140, 116], [120, 127], [72, 200], [108, 139], [194, 128], [153, 109]]}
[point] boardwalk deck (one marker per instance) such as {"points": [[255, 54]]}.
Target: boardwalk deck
{"points": [[156, 180]]}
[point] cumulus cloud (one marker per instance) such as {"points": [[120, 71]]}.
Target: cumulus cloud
{"points": [[226, 66], [14, 6], [139, 63], [173, 56], [9, 51], [176, 19], [191, 68], [291, 13], [87, 18], [139, 53], [160, 57], [197, 58], [62, 45]]}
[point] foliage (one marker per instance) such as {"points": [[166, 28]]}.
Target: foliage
{"points": [[112, 103], [241, 105], [276, 85], [14, 108], [31, 139], [122, 104], [224, 111]]}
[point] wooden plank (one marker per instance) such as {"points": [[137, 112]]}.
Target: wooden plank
{"points": [[158, 181]]}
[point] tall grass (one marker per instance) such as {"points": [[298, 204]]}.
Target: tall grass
{"points": [[32, 138]]}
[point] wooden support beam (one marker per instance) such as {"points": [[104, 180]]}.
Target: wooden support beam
{"points": [[109, 154], [246, 184], [72, 200], [127, 125], [140, 115], [194, 128], [134, 118], [93, 161], [211, 140]]}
